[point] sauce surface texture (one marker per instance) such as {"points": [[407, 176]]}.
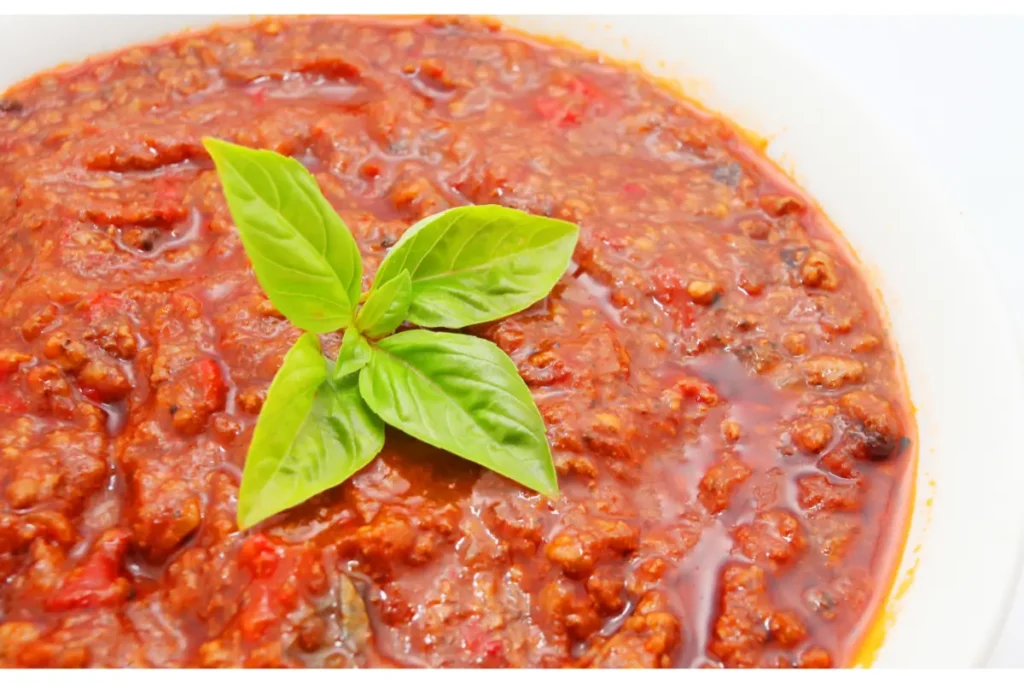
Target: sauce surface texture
{"points": [[726, 411]]}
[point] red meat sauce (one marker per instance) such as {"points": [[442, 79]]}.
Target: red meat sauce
{"points": [[724, 404]]}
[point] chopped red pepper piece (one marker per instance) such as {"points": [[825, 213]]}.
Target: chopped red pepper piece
{"points": [[260, 556], [97, 580], [634, 191]]}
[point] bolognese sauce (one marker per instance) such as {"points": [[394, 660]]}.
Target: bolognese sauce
{"points": [[723, 400]]}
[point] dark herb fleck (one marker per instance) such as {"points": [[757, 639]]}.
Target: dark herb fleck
{"points": [[728, 174], [794, 256], [11, 106]]}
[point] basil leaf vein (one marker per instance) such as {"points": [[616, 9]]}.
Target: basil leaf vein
{"points": [[303, 255], [472, 264], [464, 395]]}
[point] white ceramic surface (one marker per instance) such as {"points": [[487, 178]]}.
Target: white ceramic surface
{"points": [[961, 363]]}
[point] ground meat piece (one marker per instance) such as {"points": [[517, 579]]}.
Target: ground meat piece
{"points": [[19, 530], [569, 609], [816, 492], [10, 360], [51, 389], [193, 395], [60, 468], [39, 321], [417, 198], [141, 153], [15, 636], [760, 355], [519, 521], [795, 343], [68, 353], [786, 629], [720, 481], [605, 588], [755, 228], [387, 539], [819, 271], [774, 537], [568, 464], [577, 550], [865, 343], [832, 372], [570, 554], [881, 428], [834, 536], [738, 632], [251, 400], [747, 621], [648, 639], [815, 658], [103, 381], [168, 512], [45, 571], [841, 459], [812, 435], [777, 206], [115, 336]]}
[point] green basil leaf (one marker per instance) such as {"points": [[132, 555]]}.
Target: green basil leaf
{"points": [[286, 407], [353, 355], [462, 394], [311, 435], [387, 306], [303, 255], [472, 264]]}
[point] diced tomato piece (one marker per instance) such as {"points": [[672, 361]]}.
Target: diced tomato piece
{"points": [[210, 380], [97, 580], [685, 313], [578, 86], [260, 556], [670, 290], [562, 113], [634, 191], [101, 306], [667, 283], [277, 571], [258, 96], [549, 108], [10, 403], [572, 116], [485, 646], [168, 199], [589, 96], [258, 612]]}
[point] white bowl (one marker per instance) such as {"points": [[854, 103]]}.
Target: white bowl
{"points": [[954, 336]]}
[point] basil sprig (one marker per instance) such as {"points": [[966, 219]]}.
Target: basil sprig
{"points": [[323, 420]]}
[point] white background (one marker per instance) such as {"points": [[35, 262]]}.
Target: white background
{"points": [[953, 88]]}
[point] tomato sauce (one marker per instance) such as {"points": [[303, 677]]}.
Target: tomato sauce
{"points": [[723, 399]]}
